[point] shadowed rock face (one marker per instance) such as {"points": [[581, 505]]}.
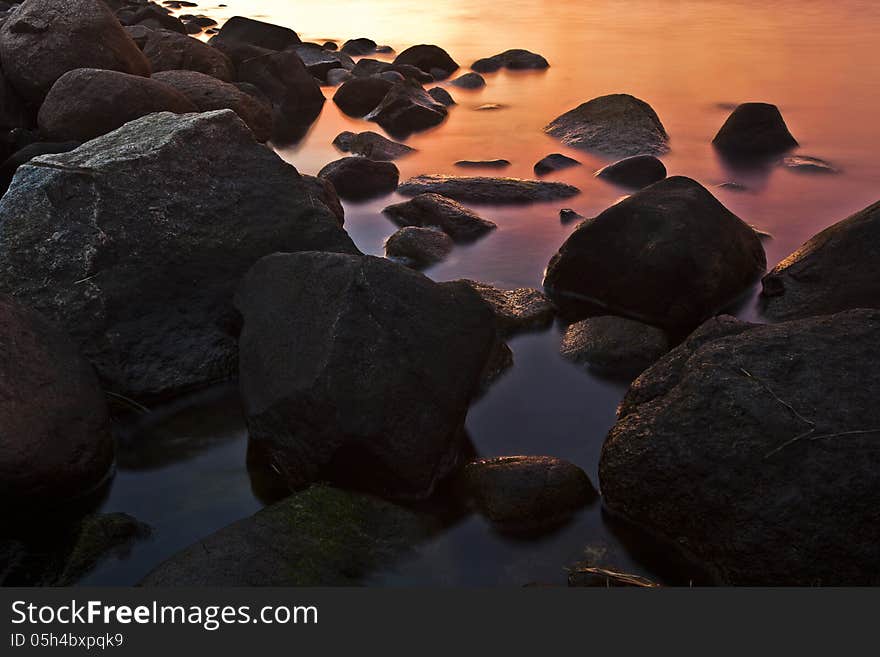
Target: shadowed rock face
{"points": [[170, 51], [496, 191], [757, 449], [143, 279], [359, 370], [635, 172], [360, 96], [319, 62], [616, 125], [428, 210], [431, 59], [407, 108], [754, 130], [13, 113], [670, 255], [836, 270], [515, 60], [360, 178], [614, 345], [522, 309], [441, 96]]}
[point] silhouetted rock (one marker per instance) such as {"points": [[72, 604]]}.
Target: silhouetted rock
{"points": [[337, 76], [406, 109], [754, 130], [587, 576], [636, 172], [515, 60], [360, 178], [441, 96], [554, 162], [483, 164], [500, 191], [371, 145], [567, 215], [10, 165], [469, 81], [418, 247], [257, 33], [522, 309], [366, 68], [357, 47], [169, 51], [431, 59], [97, 537], [360, 96], [614, 345], [427, 210]]}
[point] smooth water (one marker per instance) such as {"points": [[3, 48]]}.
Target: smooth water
{"points": [[184, 470]]}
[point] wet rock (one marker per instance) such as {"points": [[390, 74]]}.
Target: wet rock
{"points": [[525, 494], [754, 130], [169, 51], [754, 447], [406, 109], [618, 124], [807, 164], [360, 96], [87, 102], [208, 93], [418, 247], [320, 62], [495, 191], [515, 60], [360, 178], [330, 45], [670, 255], [635, 172], [319, 537], [392, 76], [155, 18], [554, 162], [614, 345], [371, 145], [836, 270], [522, 309], [358, 47], [26, 154], [337, 76], [603, 578], [386, 364], [44, 39], [250, 32], [567, 215], [366, 68], [93, 239], [429, 58], [483, 164], [441, 96], [56, 443], [469, 81], [428, 210]]}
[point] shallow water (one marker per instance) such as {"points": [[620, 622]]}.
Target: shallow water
{"points": [[817, 60]]}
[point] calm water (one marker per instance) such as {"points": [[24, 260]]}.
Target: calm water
{"points": [[183, 471]]}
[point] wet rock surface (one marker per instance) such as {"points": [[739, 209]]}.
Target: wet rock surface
{"points": [[429, 58], [450, 216], [521, 309], [483, 164], [360, 96], [371, 145], [441, 96], [635, 172], [10, 165], [498, 191], [614, 345], [469, 81], [360, 178], [418, 247], [515, 60], [554, 162], [248, 31], [407, 108], [754, 130]]}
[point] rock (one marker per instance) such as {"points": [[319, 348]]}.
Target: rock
{"points": [[428, 210], [319, 62], [754, 130], [139, 34], [430, 59], [567, 215], [807, 164], [360, 178], [248, 31], [319, 537], [366, 68], [670, 255], [494, 191], [483, 164], [358, 370], [490, 107], [13, 111], [360, 96], [636, 172], [554, 162], [441, 96], [836, 270], [330, 45], [98, 537], [141, 278], [526, 494], [44, 39], [56, 443], [156, 18], [326, 193], [392, 76], [515, 60], [87, 102], [208, 93], [614, 345], [406, 109], [522, 309], [358, 47], [169, 51], [754, 447], [371, 145], [337, 76], [603, 578], [469, 81], [418, 247], [26, 154], [618, 124]]}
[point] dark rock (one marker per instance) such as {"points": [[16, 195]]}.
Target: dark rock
{"points": [[469, 81], [202, 21], [635, 172], [614, 345], [618, 124], [495, 191], [169, 51], [554, 162], [88, 102], [139, 34], [319, 537], [13, 111], [836, 270], [755, 448], [384, 50], [26, 154], [407, 108], [98, 537], [670, 255], [418, 247], [192, 28], [44, 39], [427, 210], [567, 215], [522, 309], [319, 62], [142, 279], [441, 96], [357, 47], [237, 51], [754, 130], [360, 178], [370, 67], [392, 76], [336, 76], [156, 18], [515, 60], [483, 164], [428, 58], [56, 442], [326, 193], [371, 145], [247, 31], [525, 494], [360, 96], [359, 370], [604, 578], [807, 164], [330, 45]]}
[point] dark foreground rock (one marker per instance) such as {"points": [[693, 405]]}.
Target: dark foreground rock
{"points": [[14, 112], [431, 59], [55, 443], [99, 537], [143, 279], [779, 490], [614, 345], [170, 51], [494, 191], [319, 62], [360, 96], [635, 172], [371, 144], [360, 178], [754, 130], [418, 247], [670, 255], [428, 210], [615, 125], [407, 108], [515, 60], [526, 494], [554, 162], [10, 165], [522, 309], [836, 270], [319, 537], [366, 68]]}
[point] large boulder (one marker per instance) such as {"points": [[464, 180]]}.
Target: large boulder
{"points": [[358, 370], [360, 178], [514, 60], [55, 442], [88, 102], [756, 448], [169, 51], [248, 31], [488, 190], [407, 108], [140, 277], [44, 39], [754, 130], [670, 255], [360, 96], [371, 144], [431, 59], [320, 537], [208, 93], [836, 270], [615, 125], [429, 210]]}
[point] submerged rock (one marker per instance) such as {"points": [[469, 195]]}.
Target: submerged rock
{"points": [[360, 96], [469, 81], [418, 247], [807, 164], [428, 210], [614, 345], [170, 51], [670, 255], [515, 60], [618, 124], [406, 109], [248, 31], [358, 370], [636, 172], [567, 215], [755, 448], [483, 164], [522, 309], [495, 191], [554, 162], [441, 96], [431, 59], [360, 178], [372, 145], [754, 130]]}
